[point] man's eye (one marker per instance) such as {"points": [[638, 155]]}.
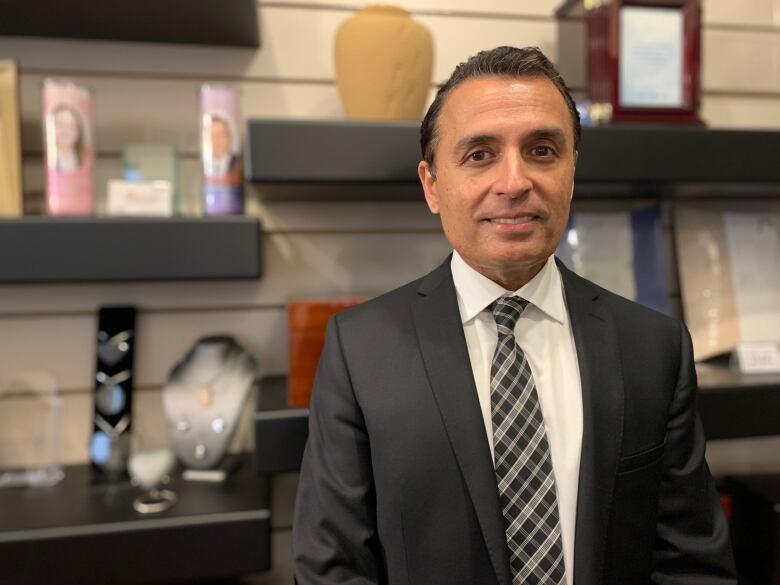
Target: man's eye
{"points": [[477, 156], [542, 151]]}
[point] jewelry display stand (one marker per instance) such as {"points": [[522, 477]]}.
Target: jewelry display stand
{"points": [[203, 401]]}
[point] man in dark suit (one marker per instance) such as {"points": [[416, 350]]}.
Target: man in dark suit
{"points": [[502, 420]]}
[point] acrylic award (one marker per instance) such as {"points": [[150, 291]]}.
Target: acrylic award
{"points": [[31, 417], [155, 165], [69, 148], [220, 115]]}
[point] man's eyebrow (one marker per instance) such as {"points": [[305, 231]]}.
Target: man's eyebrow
{"points": [[468, 141], [546, 132], [550, 133]]}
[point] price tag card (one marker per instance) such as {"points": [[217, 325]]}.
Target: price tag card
{"points": [[758, 357]]}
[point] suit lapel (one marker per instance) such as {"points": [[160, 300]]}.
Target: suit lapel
{"points": [[602, 405], [444, 351]]}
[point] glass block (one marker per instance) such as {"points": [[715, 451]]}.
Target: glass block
{"points": [[151, 162], [30, 431]]}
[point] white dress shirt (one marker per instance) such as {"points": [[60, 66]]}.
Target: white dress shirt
{"points": [[543, 331], [218, 166]]}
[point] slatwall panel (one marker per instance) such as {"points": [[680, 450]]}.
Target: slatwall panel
{"points": [[147, 94]]}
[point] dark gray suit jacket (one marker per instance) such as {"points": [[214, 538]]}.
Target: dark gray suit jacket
{"points": [[397, 484]]}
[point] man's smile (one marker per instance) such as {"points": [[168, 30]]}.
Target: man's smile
{"points": [[513, 223], [513, 220]]}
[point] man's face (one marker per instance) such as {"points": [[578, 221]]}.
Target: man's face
{"points": [[504, 173], [66, 129], [220, 138]]}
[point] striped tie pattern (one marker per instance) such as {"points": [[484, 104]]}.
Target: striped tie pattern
{"points": [[526, 483]]}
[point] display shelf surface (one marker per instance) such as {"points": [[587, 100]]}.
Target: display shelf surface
{"points": [[60, 249], [720, 377], [80, 532], [734, 405], [204, 22], [359, 151]]}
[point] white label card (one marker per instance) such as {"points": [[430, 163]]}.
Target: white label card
{"points": [[153, 198], [758, 357]]}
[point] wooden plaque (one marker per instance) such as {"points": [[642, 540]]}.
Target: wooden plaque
{"points": [[643, 58]]}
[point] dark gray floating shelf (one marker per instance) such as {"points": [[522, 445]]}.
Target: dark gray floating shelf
{"points": [[331, 151], [84, 532], [678, 154], [48, 249], [204, 22], [347, 151]]}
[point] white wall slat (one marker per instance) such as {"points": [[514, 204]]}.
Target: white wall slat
{"points": [[741, 61], [744, 12], [50, 344], [746, 113]]}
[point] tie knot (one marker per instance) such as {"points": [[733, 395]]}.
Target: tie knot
{"points": [[506, 311]]}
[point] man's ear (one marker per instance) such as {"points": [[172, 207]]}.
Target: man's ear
{"points": [[576, 156], [429, 185]]}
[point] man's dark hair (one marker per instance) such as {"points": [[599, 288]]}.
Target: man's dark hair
{"points": [[502, 62]]}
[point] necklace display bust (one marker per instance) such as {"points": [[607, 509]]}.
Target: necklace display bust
{"points": [[204, 397]]}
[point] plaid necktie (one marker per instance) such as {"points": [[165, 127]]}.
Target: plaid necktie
{"points": [[526, 483]]}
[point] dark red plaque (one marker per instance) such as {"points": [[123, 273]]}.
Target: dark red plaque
{"points": [[643, 58], [306, 322]]}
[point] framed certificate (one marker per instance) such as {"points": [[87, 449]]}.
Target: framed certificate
{"points": [[643, 58], [650, 57]]}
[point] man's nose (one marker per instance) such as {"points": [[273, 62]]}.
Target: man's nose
{"points": [[512, 179]]}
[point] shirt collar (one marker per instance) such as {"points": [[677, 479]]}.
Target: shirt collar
{"points": [[476, 291]]}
